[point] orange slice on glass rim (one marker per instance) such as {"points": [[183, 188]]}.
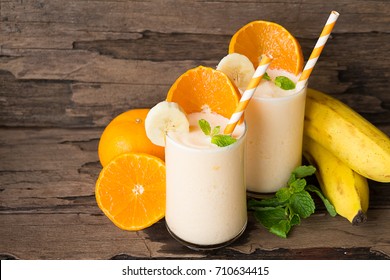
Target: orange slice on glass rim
{"points": [[264, 37], [204, 88]]}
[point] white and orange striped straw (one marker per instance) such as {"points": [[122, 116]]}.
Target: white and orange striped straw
{"points": [[315, 54], [248, 93]]}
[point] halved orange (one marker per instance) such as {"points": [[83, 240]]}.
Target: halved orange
{"points": [[130, 190], [203, 88], [264, 37]]}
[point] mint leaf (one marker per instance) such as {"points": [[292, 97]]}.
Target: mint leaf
{"points": [[302, 204], [304, 171], [298, 185], [283, 194], [205, 126], [215, 130], [275, 220], [329, 207], [270, 216], [281, 229], [266, 77], [291, 179], [289, 204], [295, 220], [222, 140], [284, 83]]}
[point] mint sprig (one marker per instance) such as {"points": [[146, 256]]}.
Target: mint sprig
{"points": [[221, 140], [284, 83], [290, 204], [281, 81]]}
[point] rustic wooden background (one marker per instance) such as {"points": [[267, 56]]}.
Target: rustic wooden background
{"points": [[68, 67]]}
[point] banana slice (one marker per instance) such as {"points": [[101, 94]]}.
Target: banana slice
{"points": [[238, 68], [163, 117]]}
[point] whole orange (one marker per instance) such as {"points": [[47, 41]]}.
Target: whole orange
{"points": [[126, 133]]}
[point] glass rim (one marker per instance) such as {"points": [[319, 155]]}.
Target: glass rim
{"points": [[278, 98], [207, 150]]}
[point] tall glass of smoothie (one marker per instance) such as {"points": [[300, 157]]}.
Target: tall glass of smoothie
{"points": [[275, 120], [205, 190]]}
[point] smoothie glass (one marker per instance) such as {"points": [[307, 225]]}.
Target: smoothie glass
{"points": [[274, 141], [205, 193]]}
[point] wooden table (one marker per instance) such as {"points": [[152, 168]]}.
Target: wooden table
{"points": [[68, 67]]}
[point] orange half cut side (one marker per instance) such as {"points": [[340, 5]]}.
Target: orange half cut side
{"points": [[130, 190]]}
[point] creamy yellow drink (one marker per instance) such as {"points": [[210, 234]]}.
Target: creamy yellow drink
{"points": [[205, 190], [274, 118]]}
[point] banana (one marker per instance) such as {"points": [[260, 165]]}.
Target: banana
{"points": [[345, 189], [238, 68], [163, 117], [345, 133]]}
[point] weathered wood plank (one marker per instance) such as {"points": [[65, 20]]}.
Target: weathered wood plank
{"points": [[63, 236], [86, 83], [208, 17], [47, 170], [155, 59], [42, 103], [85, 66], [60, 236]]}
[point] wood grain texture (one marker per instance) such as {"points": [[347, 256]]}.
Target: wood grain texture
{"points": [[68, 67]]}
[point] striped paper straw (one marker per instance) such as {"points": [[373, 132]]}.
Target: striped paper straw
{"points": [[248, 93], [315, 54]]}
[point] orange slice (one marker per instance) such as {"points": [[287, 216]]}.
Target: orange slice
{"points": [[203, 88], [263, 37], [130, 190]]}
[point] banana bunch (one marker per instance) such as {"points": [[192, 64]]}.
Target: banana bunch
{"points": [[346, 149]]}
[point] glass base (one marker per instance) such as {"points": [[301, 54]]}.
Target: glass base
{"points": [[198, 247]]}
